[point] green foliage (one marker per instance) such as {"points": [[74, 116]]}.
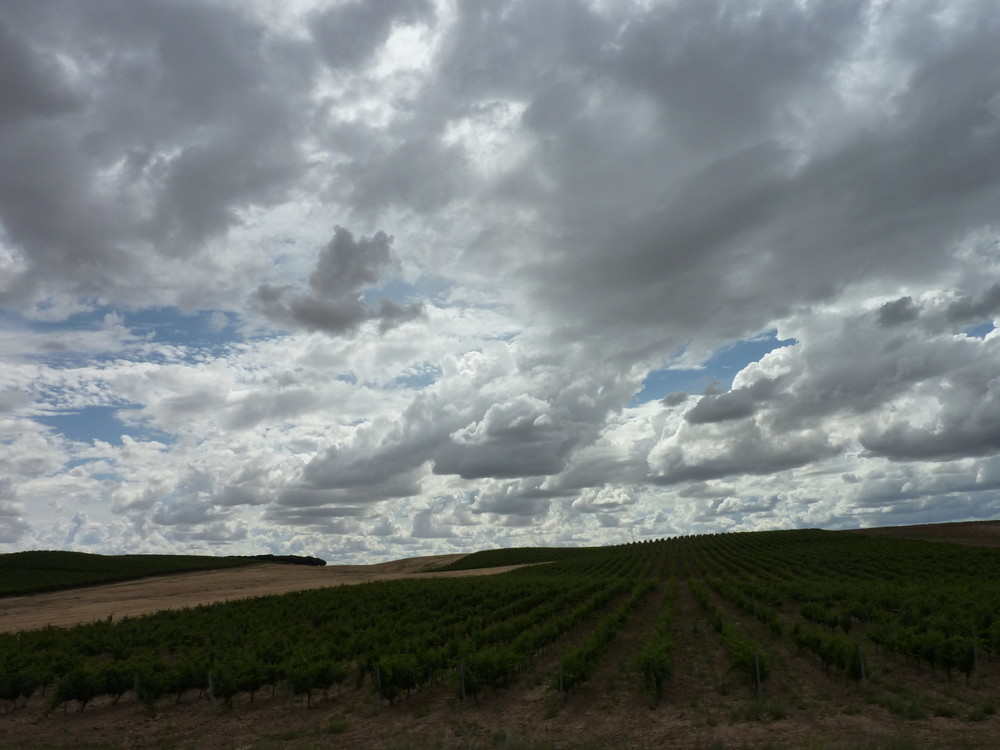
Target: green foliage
{"points": [[746, 656], [81, 685], [33, 572], [336, 725], [654, 661], [837, 597], [578, 664]]}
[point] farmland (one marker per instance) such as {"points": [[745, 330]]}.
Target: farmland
{"points": [[778, 639], [53, 570]]}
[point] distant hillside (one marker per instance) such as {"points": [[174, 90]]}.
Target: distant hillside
{"points": [[969, 533], [290, 559], [50, 570], [496, 558]]}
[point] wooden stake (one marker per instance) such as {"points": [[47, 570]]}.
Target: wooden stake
{"points": [[975, 664], [756, 669]]}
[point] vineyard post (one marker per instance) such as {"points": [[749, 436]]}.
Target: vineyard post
{"points": [[562, 690], [861, 664], [211, 689], [461, 678], [756, 669], [135, 690], [975, 664]]}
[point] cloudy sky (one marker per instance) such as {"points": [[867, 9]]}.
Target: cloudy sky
{"points": [[369, 280]]}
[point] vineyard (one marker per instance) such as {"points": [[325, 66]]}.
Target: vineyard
{"points": [[730, 640]]}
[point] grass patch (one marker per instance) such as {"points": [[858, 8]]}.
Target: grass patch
{"points": [[552, 709], [336, 725], [983, 711], [945, 711], [760, 709]]}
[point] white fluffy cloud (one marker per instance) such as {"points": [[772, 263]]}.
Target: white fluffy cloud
{"points": [[372, 279]]}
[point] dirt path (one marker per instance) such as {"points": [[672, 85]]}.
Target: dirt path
{"points": [[132, 598]]}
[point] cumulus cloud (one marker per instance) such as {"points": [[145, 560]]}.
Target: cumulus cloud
{"points": [[148, 130], [745, 448], [565, 219], [516, 438], [13, 526], [334, 303], [734, 404], [425, 527], [674, 399], [897, 312], [969, 309]]}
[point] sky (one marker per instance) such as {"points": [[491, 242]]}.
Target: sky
{"points": [[371, 280]]}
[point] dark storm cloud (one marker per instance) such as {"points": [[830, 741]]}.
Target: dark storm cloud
{"points": [[601, 189], [719, 408], [349, 33], [734, 404], [420, 174], [966, 419], [347, 265], [761, 213], [742, 448], [675, 399], [511, 440], [723, 72], [157, 126], [975, 309], [334, 304], [32, 81], [499, 50], [902, 310]]}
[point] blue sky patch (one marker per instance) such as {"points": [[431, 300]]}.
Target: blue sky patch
{"points": [[979, 331], [100, 423], [416, 378], [168, 325], [720, 370], [88, 424], [204, 329]]}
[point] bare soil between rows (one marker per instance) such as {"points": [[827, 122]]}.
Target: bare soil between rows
{"points": [[140, 597], [705, 705]]}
